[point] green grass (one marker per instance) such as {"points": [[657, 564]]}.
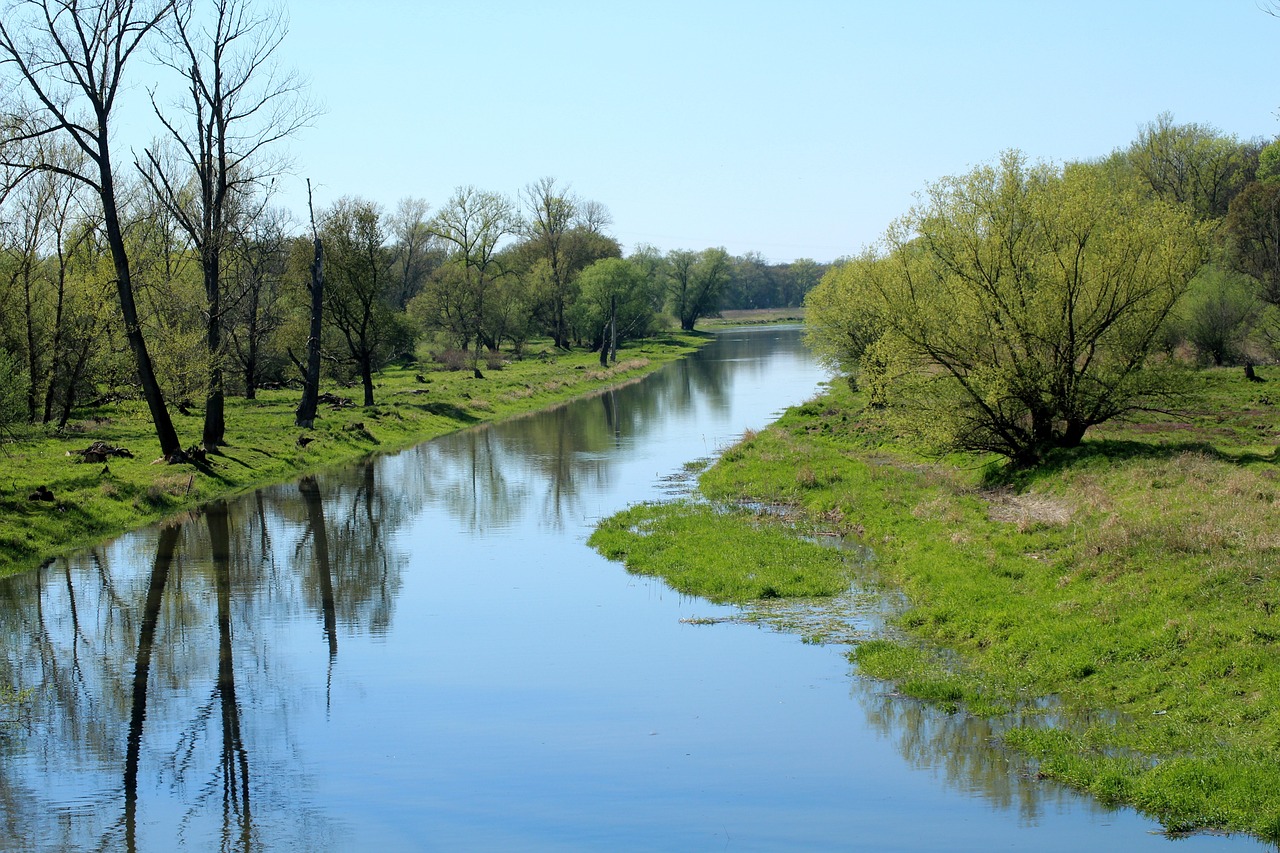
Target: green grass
{"points": [[1131, 584], [724, 557], [413, 403]]}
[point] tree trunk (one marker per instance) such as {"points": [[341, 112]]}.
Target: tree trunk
{"points": [[56, 347], [170, 446], [142, 673], [1073, 434], [366, 376], [613, 329], [33, 351], [306, 416], [214, 416], [251, 359]]}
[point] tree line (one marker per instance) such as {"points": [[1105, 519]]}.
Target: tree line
{"points": [[1019, 304], [171, 274]]}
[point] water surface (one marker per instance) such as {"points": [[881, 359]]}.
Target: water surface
{"points": [[420, 653]]}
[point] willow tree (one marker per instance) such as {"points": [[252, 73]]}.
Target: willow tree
{"points": [[69, 57], [1016, 306], [694, 283]]}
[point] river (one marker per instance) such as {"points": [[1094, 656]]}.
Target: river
{"points": [[421, 653]]}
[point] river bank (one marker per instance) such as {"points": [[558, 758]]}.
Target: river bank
{"points": [[1116, 611], [54, 498]]}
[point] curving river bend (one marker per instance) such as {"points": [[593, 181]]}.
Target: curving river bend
{"points": [[421, 653]]}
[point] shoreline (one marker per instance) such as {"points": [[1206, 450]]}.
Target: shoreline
{"points": [[51, 504]]}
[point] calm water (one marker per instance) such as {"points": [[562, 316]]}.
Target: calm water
{"points": [[421, 653]]}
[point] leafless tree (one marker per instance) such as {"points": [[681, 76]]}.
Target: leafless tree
{"points": [[218, 148]]}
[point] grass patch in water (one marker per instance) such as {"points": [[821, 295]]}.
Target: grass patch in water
{"points": [[721, 556]]}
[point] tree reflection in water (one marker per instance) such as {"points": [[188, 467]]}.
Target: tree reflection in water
{"points": [[142, 675], [121, 644]]}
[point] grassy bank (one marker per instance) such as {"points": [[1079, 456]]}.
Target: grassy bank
{"points": [[1132, 586], [85, 502], [755, 317]]}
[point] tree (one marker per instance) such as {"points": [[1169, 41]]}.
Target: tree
{"points": [[416, 252], [550, 215], [70, 56], [1218, 312], [1253, 236], [802, 275], [842, 315], [1193, 164], [307, 405], [359, 285], [694, 283], [563, 236], [751, 284], [1020, 306], [11, 398], [236, 107], [618, 300], [256, 273], [472, 225]]}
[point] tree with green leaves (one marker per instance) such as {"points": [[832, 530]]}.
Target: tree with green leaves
{"points": [[359, 287], [694, 283], [1193, 164], [1252, 231], [1017, 306], [618, 301], [471, 225]]}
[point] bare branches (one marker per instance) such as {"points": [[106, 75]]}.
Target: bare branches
{"points": [[70, 58], [238, 103]]}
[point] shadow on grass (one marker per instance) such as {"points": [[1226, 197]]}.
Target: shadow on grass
{"points": [[1102, 451], [445, 410]]}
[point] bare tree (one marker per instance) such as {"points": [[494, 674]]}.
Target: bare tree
{"points": [[70, 57], [307, 406], [236, 106]]}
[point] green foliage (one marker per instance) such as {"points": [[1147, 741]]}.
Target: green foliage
{"points": [[694, 283], [1252, 236], [1269, 163], [359, 289], [616, 291], [1018, 306], [1218, 313], [842, 316], [721, 556], [12, 398], [1194, 165]]}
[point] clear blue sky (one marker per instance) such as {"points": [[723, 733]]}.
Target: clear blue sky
{"points": [[795, 129]]}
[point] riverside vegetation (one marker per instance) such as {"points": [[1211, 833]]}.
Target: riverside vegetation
{"points": [[1118, 603], [87, 501], [1083, 526]]}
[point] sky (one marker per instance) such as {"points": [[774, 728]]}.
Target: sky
{"points": [[792, 129]]}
